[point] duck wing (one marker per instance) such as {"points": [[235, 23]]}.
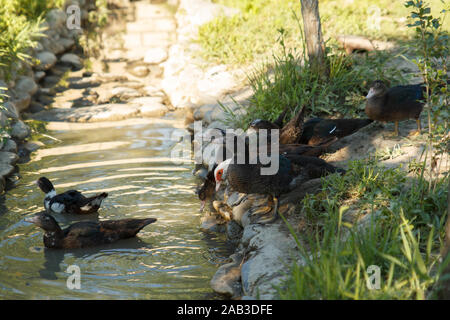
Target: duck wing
{"points": [[124, 228], [292, 131]]}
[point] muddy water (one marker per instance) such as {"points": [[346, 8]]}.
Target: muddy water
{"points": [[170, 259]]}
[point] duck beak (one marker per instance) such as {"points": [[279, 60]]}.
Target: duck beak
{"points": [[34, 219], [218, 185], [370, 94], [202, 206]]}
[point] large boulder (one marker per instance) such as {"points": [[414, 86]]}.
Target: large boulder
{"points": [[27, 85]]}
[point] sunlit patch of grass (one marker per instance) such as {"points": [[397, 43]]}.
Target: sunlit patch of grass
{"points": [[252, 33], [402, 235]]}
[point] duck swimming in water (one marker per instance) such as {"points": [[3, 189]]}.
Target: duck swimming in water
{"points": [[71, 201], [86, 233]]}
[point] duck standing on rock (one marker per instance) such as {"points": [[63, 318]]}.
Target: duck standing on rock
{"points": [[395, 104], [71, 201], [247, 178], [86, 233]]}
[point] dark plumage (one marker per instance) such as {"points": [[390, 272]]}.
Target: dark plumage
{"points": [[86, 233], [207, 190], [71, 201], [318, 131], [290, 133], [395, 104], [247, 178]]}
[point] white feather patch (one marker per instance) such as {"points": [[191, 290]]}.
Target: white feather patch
{"points": [[57, 207]]}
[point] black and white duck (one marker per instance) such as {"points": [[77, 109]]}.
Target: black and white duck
{"points": [[71, 201]]}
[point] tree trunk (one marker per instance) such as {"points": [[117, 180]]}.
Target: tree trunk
{"points": [[313, 36]]}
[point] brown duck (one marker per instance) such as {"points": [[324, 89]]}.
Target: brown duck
{"points": [[395, 104], [317, 131], [290, 133], [247, 178], [86, 233]]}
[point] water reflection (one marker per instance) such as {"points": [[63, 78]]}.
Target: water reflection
{"points": [[170, 259]]}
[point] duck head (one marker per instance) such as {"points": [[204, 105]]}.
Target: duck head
{"points": [[262, 124], [45, 185], [377, 88], [44, 221], [220, 173]]}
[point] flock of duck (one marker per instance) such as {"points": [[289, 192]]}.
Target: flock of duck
{"points": [[300, 145]]}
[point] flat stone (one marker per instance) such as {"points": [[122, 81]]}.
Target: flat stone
{"points": [[26, 85], [10, 110], [5, 170], [210, 223], [72, 60], [84, 83], [124, 93], [20, 130], [67, 43], [226, 280], [35, 107], [10, 146], [38, 75], [47, 60], [153, 110], [22, 101], [8, 158], [32, 146], [155, 55], [139, 71]]}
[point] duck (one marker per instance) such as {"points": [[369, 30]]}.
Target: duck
{"points": [[290, 133], [71, 201], [317, 131], [86, 233], [395, 104], [207, 189], [292, 171]]}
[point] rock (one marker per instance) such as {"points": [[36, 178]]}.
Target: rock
{"points": [[35, 107], [139, 71], [38, 75], [153, 110], [124, 93], [3, 118], [72, 60], [47, 60], [22, 101], [20, 130], [10, 146], [10, 110], [50, 81], [211, 223], [234, 231], [45, 99], [153, 91], [226, 280], [200, 112], [52, 45], [26, 85], [155, 55], [270, 249], [218, 125], [66, 43], [32, 146], [2, 184], [84, 83], [8, 158], [56, 18]]}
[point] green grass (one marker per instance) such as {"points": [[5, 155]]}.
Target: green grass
{"points": [[288, 82], [403, 236], [252, 33]]}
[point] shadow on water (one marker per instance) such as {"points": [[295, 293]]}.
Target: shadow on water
{"points": [[170, 259]]}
